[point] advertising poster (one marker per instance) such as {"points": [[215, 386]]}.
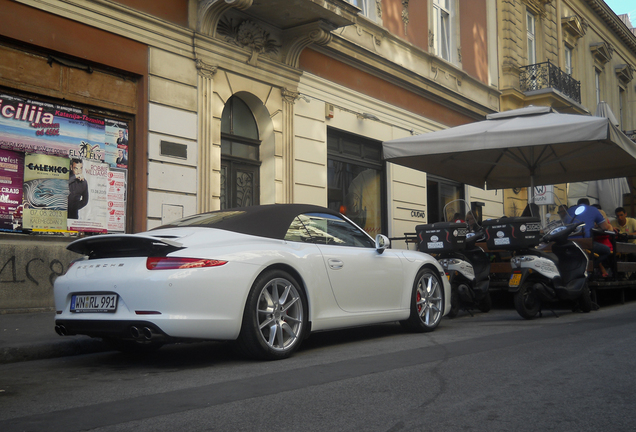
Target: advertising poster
{"points": [[40, 129], [45, 192], [116, 201], [11, 175], [87, 196], [116, 142], [35, 127]]}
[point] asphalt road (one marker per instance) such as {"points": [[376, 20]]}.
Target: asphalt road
{"points": [[489, 372]]}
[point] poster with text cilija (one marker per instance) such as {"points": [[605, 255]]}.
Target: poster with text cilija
{"points": [[32, 126], [11, 176], [38, 128], [45, 192]]}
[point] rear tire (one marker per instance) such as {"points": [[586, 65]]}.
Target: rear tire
{"points": [[585, 301], [526, 301], [275, 317], [427, 302], [485, 304]]}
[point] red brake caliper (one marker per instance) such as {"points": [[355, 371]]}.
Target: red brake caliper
{"points": [[419, 298]]}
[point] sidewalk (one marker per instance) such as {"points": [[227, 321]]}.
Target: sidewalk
{"points": [[31, 336]]}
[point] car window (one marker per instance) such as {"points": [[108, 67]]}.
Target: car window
{"points": [[297, 232], [333, 230]]}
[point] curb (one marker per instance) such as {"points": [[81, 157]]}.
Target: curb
{"points": [[47, 350]]}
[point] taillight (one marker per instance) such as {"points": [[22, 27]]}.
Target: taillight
{"points": [[170, 263]]}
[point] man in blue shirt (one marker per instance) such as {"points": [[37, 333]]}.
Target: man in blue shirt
{"points": [[584, 212]]}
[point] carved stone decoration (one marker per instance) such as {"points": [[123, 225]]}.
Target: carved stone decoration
{"points": [[405, 14], [299, 37], [459, 54], [210, 12], [574, 26], [205, 70], [602, 51], [537, 7], [431, 38], [378, 8], [247, 34], [289, 96], [625, 73]]}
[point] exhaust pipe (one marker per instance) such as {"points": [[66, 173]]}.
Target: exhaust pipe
{"points": [[61, 330], [134, 332], [147, 332]]}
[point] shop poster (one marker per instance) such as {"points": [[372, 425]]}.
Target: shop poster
{"points": [[116, 143], [36, 128], [87, 196], [45, 191], [11, 178], [116, 201]]}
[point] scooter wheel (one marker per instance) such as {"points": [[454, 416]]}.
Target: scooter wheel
{"points": [[526, 301], [454, 302], [485, 304], [585, 301]]}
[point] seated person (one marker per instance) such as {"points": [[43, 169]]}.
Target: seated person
{"points": [[562, 211], [589, 215], [624, 224], [603, 239]]}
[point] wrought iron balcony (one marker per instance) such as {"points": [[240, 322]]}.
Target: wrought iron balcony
{"points": [[547, 75]]}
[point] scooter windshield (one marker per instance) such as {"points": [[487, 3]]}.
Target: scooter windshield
{"points": [[459, 211]]}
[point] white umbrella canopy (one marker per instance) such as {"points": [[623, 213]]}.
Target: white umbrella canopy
{"points": [[525, 147]]}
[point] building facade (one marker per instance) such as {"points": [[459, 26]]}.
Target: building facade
{"points": [[568, 54], [186, 106]]}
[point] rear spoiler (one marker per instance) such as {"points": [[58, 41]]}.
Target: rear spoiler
{"points": [[123, 245]]}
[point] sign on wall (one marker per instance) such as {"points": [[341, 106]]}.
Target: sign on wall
{"points": [[32, 131], [542, 195]]}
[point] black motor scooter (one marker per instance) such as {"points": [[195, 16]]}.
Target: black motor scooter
{"points": [[539, 277], [453, 244]]}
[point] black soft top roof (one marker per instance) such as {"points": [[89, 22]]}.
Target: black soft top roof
{"points": [[270, 220]]}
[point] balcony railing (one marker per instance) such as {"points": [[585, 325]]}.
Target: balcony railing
{"points": [[547, 75]]}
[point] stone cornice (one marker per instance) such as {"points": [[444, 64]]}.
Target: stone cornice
{"points": [[613, 22]]}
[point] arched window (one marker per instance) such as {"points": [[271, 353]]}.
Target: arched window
{"points": [[240, 159]]}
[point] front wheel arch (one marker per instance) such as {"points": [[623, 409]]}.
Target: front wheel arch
{"points": [[268, 330], [426, 307], [303, 286]]}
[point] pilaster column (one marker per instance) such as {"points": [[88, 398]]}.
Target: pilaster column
{"points": [[289, 99], [208, 190]]}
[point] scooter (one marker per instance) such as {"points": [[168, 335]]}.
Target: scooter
{"points": [[453, 244], [539, 277]]}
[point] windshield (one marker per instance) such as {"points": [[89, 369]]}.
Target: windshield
{"points": [[459, 211]]}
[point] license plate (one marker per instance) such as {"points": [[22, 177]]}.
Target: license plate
{"points": [[94, 303], [515, 280]]}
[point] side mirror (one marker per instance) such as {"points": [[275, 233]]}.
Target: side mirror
{"points": [[382, 242]]}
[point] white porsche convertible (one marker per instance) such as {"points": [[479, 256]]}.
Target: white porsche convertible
{"points": [[264, 276]]}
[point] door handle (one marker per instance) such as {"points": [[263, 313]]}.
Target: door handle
{"points": [[335, 264]]}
